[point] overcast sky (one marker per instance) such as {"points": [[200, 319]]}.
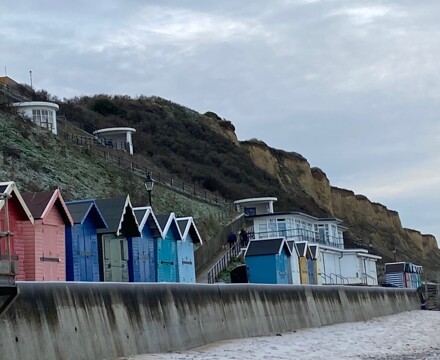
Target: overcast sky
{"points": [[353, 86]]}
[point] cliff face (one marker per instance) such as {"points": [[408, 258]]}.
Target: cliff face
{"points": [[204, 149], [366, 220]]}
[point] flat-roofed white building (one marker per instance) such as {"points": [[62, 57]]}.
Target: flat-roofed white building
{"points": [[42, 113], [329, 262], [119, 138]]}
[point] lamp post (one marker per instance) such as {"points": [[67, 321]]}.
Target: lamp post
{"points": [[149, 184], [394, 250]]}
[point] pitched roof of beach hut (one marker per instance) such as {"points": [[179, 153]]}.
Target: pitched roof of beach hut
{"points": [[267, 247], [187, 227], [119, 215], [9, 188], [145, 216], [41, 203], [81, 209]]}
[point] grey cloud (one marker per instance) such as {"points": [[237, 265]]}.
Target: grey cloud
{"points": [[353, 86]]}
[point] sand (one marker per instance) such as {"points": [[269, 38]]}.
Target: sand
{"points": [[408, 335]]}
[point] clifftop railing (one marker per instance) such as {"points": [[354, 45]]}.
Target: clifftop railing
{"points": [[164, 178]]}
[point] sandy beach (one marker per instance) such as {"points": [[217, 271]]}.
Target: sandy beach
{"points": [[409, 335]]}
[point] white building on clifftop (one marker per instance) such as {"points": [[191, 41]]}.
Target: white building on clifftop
{"points": [[42, 113]]}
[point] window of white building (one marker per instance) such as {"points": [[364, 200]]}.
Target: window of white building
{"points": [[262, 230], [43, 118], [282, 227], [272, 228]]}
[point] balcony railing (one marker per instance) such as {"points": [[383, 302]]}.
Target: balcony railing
{"points": [[299, 235]]}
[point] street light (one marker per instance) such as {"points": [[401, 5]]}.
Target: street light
{"points": [[149, 184], [394, 250], [370, 246]]}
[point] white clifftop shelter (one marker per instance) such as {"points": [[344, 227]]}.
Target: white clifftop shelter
{"points": [[255, 206], [118, 137], [42, 113]]}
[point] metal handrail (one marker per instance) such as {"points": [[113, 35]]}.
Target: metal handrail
{"points": [[325, 276], [223, 262], [340, 277], [366, 276]]}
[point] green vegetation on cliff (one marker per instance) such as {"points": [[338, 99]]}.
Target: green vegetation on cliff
{"points": [[37, 160], [200, 149]]}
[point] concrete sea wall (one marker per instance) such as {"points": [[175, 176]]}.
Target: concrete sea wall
{"points": [[107, 320]]}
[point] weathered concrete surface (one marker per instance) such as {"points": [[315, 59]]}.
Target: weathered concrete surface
{"points": [[107, 320]]}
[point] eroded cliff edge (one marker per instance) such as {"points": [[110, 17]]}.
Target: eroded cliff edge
{"points": [[308, 189]]}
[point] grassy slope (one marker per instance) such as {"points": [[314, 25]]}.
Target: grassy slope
{"points": [[37, 160]]}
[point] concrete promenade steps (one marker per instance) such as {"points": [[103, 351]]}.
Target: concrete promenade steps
{"points": [[108, 320]]}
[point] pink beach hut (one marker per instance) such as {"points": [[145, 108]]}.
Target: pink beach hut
{"points": [[45, 248], [14, 218]]}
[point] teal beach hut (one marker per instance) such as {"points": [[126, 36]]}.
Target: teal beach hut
{"points": [[166, 252]]}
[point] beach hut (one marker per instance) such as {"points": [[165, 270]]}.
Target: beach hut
{"points": [[166, 255], [304, 256], [185, 249], [313, 264], [82, 260], [143, 264], [403, 274], [113, 240], [268, 261], [294, 262], [45, 246], [14, 214]]}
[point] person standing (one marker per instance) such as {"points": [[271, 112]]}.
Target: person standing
{"points": [[243, 238], [232, 239]]}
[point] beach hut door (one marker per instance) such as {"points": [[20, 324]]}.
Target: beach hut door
{"points": [[87, 251], [115, 259], [311, 271], [50, 257], [167, 261], [144, 260], [282, 271]]}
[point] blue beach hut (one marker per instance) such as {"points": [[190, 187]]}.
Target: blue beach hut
{"points": [[142, 263], [185, 249], [312, 264], [268, 261], [166, 254], [82, 260], [113, 240]]}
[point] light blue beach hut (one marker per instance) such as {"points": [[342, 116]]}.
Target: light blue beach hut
{"points": [[185, 249]]}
